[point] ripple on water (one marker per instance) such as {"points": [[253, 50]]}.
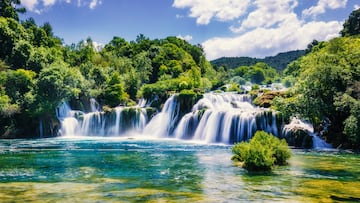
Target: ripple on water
{"points": [[123, 170]]}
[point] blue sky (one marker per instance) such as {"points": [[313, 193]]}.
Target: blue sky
{"points": [[255, 28]]}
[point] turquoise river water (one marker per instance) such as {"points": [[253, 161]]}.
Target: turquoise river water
{"points": [[142, 170]]}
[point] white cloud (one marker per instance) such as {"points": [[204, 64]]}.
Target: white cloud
{"points": [[223, 10], [38, 6], [261, 42], [98, 46], [186, 37], [322, 5], [267, 14], [356, 6], [269, 27], [29, 4], [94, 3], [48, 2]]}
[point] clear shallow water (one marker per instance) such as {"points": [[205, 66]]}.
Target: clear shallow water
{"points": [[132, 170]]}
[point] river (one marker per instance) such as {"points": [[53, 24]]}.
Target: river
{"points": [[138, 169]]}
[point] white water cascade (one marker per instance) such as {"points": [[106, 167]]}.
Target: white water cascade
{"points": [[162, 123], [225, 118], [67, 118], [297, 124], [117, 122], [216, 118]]}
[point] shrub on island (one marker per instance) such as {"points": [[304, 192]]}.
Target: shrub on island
{"points": [[262, 153]]}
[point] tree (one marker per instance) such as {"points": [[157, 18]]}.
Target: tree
{"points": [[57, 83], [6, 108], [256, 75], [9, 9], [18, 83], [327, 88], [195, 76], [21, 53], [262, 152], [143, 66], [3, 66], [11, 32], [132, 83], [352, 24], [114, 93]]}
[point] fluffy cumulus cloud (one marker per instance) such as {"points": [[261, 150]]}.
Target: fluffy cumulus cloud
{"points": [[356, 7], [263, 27], [267, 14], [186, 37], [222, 10], [323, 5], [262, 42], [39, 6]]}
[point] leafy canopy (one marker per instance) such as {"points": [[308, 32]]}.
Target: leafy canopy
{"points": [[262, 152]]}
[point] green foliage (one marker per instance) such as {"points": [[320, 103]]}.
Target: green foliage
{"points": [[19, 84], [346, 103], [352, 24], [327, 88], [10, 32], [57, 83], [150, 91], [279, 62], [114, 93], [233, 87], [142, 64], [10, 9], [352, 129], [260, 73], [132, 83], [44, 72], [288, 81], [21, 53], [6, 108], [256, 75], [262, 152]]}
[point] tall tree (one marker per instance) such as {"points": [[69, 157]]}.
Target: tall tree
{"points": [[10, 9], [352, 24]]}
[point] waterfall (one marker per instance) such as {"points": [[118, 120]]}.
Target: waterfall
{"points": [[119, 121], [63, 111], [94, 105], [162, 124], [297, 124], [225, 118], [215, 118]]}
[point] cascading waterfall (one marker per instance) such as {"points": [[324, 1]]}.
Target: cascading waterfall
{"points": [[114, 123], [67, 118], [297, 124], [162, 124], [94, 105], [216, 118], [225, 118]]}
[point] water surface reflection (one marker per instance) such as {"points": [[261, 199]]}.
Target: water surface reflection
{"points": [[122, 170]]}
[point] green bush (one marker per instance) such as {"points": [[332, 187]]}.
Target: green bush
{"points": [[262, 152]]}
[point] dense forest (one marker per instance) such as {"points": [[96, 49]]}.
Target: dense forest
{"points": [[279, 62], [38, 72]]}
